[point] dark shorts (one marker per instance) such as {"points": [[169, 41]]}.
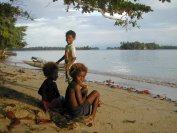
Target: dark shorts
{"points": [[82, 110]]}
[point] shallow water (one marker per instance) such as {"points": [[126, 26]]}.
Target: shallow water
{"points": [[155, 70]]}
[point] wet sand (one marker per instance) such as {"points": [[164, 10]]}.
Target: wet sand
{"points": [[123, 109]]}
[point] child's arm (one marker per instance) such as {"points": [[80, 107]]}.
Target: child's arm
{"points": [[44, 98], [73, 55], [73, 60], [44, 94], [84, 91], [61, 59], [79, 95], [56, 89]]}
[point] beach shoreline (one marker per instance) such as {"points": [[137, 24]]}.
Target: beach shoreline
{"points": [[131, 110], [154, 87]]}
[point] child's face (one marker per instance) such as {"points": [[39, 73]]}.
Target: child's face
{"points": [[54, 75], [81, 77], [70, 39]]}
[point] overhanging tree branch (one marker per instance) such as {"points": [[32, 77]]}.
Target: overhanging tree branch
{"points": [[124, 12]]}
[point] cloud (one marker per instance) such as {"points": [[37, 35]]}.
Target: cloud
{"points": [[52, 21]]}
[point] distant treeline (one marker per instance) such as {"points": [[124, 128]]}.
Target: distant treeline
{"points": [[112, 48], [87, 48], [168, 47], [140, 46], [54, 48]]}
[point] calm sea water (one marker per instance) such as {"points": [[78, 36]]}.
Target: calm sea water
{"points": [[152, 69]]}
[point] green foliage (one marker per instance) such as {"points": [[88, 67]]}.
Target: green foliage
{"points": [[11, 36], [112, 48], [138, 45], [128, 11], [87, 48]]}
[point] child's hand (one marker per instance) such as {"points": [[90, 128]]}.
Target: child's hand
{"points": [[84, 86], [67, 67]]}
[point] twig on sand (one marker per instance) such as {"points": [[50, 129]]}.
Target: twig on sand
{"points": [[129, 121]]}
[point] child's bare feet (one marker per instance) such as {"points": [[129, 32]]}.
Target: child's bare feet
{"points": [[99, 103], [89, 121]]}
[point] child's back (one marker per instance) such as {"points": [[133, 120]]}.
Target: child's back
{"points": [[48, 90], [70, 98]]}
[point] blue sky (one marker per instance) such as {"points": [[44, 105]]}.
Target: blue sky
{"points": [[52, 21]]}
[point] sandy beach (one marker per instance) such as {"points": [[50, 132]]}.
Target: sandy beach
{"points": [[122, 111]]}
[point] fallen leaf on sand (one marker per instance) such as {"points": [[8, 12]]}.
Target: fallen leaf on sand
{"points": [[10, 115], [14, 121]]}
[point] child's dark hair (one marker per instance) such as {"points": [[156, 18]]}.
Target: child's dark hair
{"points": [[76, 69], [72, 33], [49, 68]]}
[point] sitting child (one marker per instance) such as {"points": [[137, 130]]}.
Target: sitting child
{"points": [[76, 99], [50, 95]]}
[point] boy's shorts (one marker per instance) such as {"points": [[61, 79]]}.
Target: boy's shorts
{"points": [[82, 110]]}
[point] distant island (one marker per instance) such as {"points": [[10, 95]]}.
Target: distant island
{"points": [[54, 48], [113, 48], [140, 46], [168, 47]]}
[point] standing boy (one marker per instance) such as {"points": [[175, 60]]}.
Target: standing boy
{"points": [[70, 53]]}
